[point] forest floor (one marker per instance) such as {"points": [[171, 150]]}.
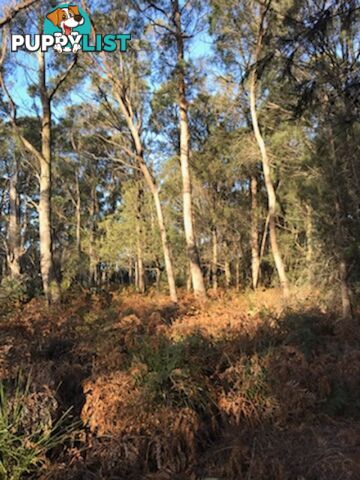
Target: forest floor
{"points": [[234, 388]]}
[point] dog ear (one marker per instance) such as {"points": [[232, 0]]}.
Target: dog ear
{"points": [[54, 17], [74, 9]]}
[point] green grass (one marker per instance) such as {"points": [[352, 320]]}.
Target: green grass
{"points": [[23, 451]]}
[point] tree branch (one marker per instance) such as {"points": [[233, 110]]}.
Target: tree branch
{"points": [[14, 11], [63, 77]]}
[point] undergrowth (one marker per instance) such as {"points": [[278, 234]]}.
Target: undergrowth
{"points": [[224, 391], [168, 373], [23, 449]]}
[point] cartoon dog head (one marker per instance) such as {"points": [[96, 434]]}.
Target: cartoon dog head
{"points": [[66, 18]]}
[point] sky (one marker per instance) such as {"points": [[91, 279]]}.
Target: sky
{"points": [[26, 73]]}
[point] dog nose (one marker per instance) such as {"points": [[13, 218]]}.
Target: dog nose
{"points": [[78, 18]]}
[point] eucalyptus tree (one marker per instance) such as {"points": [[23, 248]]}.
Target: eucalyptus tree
{"points": [[14, 244], [124, 95], [243, 30], [174, 23], [45, 90]]}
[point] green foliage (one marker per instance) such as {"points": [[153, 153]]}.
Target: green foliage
{"points": [[14, 290], [23, 450], [170, 375], [253, 381], [74, 267], [304, 331], [118, 238]]}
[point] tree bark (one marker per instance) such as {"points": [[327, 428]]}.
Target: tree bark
{"points": [[131, 271], [309, 244], [14, 244], [192, 250], [345, 291], [228, 276], [188, 279], [269, 188], [78, 217], [152, 185], [11, 13], [214, 259], [255, 257], [50, 283], [93, 273], [158, 278], [340, 235], [136, 276], [141, 286], [237, 273], [163, 233], [279, 264]]}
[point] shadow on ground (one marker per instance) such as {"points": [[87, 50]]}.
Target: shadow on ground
{"points": [[189, 391]]}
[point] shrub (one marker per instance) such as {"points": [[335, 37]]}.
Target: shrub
{"points": [[23, 450], [14, 291], [171, 373]]}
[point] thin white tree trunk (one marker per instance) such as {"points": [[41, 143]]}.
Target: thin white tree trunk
{"points": [[269, 188], [214, 259], [255, 258], [139, 242], [14, 244], [309, 244], [50, 283], [78, 217], [237, 273], [153, 187], [228, 275], [163, 233], [345, 291], [192, 250], [93, 276]]}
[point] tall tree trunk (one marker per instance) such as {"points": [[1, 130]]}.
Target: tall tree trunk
{"points": [[192, 250], [345, 291], [237, 273], [131, 271], [78, 217], [139, 242], [136, 276], [227, 268], [50, 282], [158, 277], [215, 259], [14, 244], [140, 277], [163, 233], [255, 257], [309, 244], [93, 273], [151, 183], [188, 279], [269, 188], [340, 235], [279, 264], [227, 274]]}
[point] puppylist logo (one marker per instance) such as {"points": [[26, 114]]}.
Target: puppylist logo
{"points": [[67, 28]]}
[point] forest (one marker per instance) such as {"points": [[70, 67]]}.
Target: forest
{"points": [[180, 240]]}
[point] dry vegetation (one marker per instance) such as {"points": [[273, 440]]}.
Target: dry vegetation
{"points": [[233, 388]]}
